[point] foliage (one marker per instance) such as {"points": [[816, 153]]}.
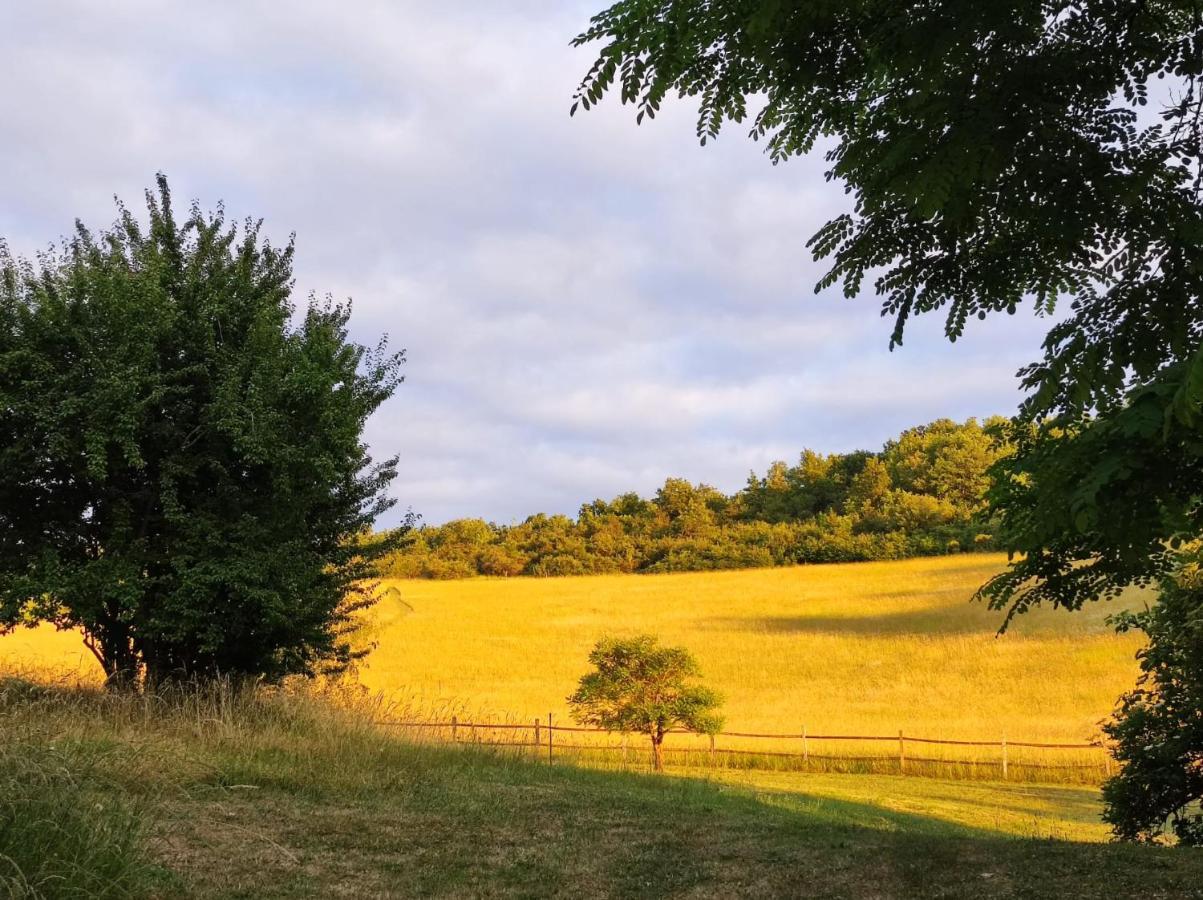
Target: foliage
{"points": [[637, 685], [922, 494], [1095, 504], [182, 471], [977, 181], [1158, 727], [995, 154]]}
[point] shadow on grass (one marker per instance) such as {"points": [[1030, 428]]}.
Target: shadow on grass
{"points": [[724, 840], [466, 822], [287, 798]]}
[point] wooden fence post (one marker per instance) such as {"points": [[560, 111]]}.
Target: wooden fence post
{"points": [[1004, 755], [454, 724], [901, 753], [805, 750], [538, 738], [1107, 760], [712, 749], [549, 751], [624, 749]]}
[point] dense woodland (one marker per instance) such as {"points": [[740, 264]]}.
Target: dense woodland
{"points": [[922, 494]]}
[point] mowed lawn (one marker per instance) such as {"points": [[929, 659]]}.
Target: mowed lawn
{"points": [[862, 648]]}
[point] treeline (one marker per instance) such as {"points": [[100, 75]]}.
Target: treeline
{"points": [[922, 494]]}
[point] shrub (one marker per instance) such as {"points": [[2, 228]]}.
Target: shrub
{"points": [[1158, 727], [500, 560], [559, 564]]}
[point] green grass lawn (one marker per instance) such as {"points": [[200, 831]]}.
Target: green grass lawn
{"points": [[468, 826], [286, 798]]}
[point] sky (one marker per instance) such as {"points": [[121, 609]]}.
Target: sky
{"points": [[587, 306]]}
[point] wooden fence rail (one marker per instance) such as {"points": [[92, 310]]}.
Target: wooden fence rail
{"points": [[540, 734]]}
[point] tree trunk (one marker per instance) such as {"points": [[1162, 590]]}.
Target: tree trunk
{"points": [[658, 752], [121, 680], [116, 656]]}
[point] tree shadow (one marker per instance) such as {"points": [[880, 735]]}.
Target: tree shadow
{"points": [[706, 838], [932, 620], [321, 811], [926, 621]]}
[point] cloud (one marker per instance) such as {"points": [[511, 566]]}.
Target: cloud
{"points": [[588, 306]]}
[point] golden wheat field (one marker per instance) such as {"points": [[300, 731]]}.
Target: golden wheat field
{"points": [[864, 648]]}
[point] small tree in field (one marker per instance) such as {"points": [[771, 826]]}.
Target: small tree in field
{"points": [[637, 685]]}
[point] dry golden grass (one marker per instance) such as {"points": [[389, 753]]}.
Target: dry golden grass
{"points": [[868, 647], [43, 653], [865, 648]]}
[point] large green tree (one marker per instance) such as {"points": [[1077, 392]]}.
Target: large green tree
{"points": [[996, 154], [182, 470]]}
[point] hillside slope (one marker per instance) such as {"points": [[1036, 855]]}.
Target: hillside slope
{"points": [[860, 647]]}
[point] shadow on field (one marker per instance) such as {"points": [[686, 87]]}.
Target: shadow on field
{"points": [[926, 622]]}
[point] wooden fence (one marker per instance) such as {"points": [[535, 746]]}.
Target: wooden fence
{"points": [[908, 755]]}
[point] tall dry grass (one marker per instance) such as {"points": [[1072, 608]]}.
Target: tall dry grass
{"points": [[64, 830], [281, 792], [867, 648]]}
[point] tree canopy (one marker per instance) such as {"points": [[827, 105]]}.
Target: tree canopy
{"points": [[923, 493], [182, 470], [996, 155], [639, 686]]}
